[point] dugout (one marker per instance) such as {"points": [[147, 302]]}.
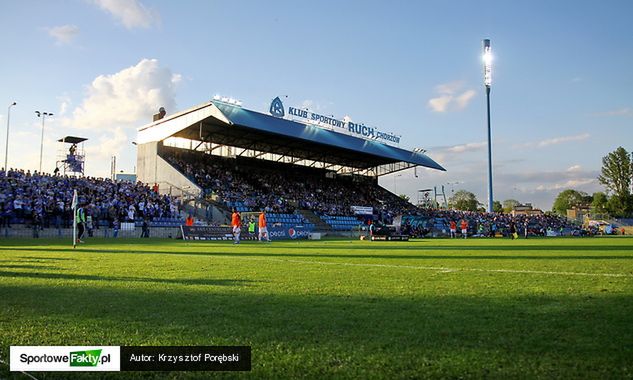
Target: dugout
{"points": [[231, 131]]}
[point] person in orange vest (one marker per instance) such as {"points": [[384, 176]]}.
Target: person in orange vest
{"points": [[236, 222], [453, 229], [464, 226], [263, 227], [189, 221]]}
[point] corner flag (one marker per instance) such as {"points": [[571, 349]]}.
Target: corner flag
{"points": [[74, 207]]}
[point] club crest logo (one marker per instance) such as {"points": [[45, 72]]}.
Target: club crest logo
{"points": [[277, 108], [292, 233]]}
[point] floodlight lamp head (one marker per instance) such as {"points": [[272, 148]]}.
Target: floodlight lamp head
{"points": [[487, 58]]}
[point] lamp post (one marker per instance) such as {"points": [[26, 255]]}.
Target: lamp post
{"points": [[6, 147], [43, 116], [487, 58]]}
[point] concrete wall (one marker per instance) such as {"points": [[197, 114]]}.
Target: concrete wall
{"points": [[151, 169]]}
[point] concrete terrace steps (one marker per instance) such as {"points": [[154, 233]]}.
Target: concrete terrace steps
{"points": [[319, 225]]}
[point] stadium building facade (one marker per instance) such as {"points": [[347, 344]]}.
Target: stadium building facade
{"points": [[229, 130], [219, 130]]}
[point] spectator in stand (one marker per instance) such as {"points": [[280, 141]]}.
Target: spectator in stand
{"points": [[280, 188], [47, 198]]}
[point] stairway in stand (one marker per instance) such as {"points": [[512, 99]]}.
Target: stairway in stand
{"points": [[319, 225]]}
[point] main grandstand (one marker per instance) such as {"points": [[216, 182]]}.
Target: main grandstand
{"points": [[301, 173]]}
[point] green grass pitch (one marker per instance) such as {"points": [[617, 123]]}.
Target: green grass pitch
{"points": [[488, 308]]}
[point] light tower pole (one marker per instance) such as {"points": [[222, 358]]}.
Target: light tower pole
{"points": [[43, 116], [487, 57], [6, 147]]}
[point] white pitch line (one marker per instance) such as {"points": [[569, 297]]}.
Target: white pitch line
{"points": [[440, 269]]}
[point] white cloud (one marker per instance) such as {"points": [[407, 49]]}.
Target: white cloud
{"points": [[469, 147], [64, 103], [571, 184], [115, 105], [465, 98], [624, 111], [449, 88], [63, 34], [440, 104], [131, 13], [553, 141], [451, 97], [109, 144], [574, 168], [24, 150], [562, 139], [455, 155], [126, 98]]}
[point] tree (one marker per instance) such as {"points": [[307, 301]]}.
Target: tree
{"points": [[464, 200], [509, 205], [617, 171], [496, 206], [599, 202], [620, 206], [569, 199]]}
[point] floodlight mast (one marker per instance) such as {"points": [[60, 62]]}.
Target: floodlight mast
{"points": [[6, 147], [43, 116], [487, 58]]}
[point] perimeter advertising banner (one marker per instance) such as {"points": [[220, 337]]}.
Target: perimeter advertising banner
{"points": [[207, 232], [289, 232], [215, 233]]}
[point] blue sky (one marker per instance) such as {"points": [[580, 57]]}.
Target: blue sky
{"points": [[562, 95]]}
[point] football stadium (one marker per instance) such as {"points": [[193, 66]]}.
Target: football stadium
{"points": [[265, 239]]}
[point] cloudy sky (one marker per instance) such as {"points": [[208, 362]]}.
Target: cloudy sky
{"points": [[562, 95]]}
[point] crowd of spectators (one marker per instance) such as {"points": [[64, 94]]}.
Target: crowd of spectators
{"points": [[45, 200], [255, 185], [282, 188], [426, 221]]}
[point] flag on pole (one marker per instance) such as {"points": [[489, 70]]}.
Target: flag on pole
{"points": [[74, 207], [74, 204]]}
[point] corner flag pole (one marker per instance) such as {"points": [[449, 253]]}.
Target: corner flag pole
{"points": [[74, 207]]}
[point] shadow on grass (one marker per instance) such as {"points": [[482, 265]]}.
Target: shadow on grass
{"points": [[45, 258], [27, 266], [416, 253], [339, 336], [85, 277]]}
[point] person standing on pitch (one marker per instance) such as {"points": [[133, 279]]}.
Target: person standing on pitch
{"points": [[81, 222], [453, 229], [251, 228], [464, 226], [263, 227], [236, 222]]}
